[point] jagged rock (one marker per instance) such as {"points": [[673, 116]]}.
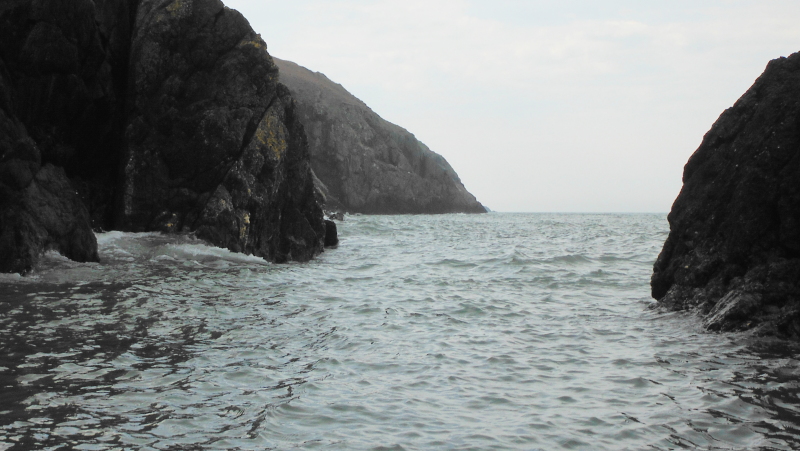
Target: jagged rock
{"points": [[214, 144], [161, 116], [734, 245], [366, 164]]}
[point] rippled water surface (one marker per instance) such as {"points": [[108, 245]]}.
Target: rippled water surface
{"points": [[499, 331]]}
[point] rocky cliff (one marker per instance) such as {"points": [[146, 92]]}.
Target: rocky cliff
{"points": [[733, 252], [366, 164], [146, 115]]}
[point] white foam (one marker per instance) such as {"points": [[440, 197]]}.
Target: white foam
{"points": [[158, 247], [105, 238], [14, 277], [204, 253], [118, 249]]}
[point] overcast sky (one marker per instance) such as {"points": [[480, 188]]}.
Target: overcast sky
{"points": [[562, 106]]}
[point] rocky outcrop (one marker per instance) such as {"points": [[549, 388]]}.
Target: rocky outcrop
{"points": [[213, 143], [366, 164], [62, 81], [147, 115], [733, 252]]}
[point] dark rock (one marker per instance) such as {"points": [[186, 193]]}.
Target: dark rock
{"points": [[147, 115], [331, 235], [366, 164], [213, 143], [46, 214], [734, 245], [39, 207], [66, 71], [732, 311], [60, 106]]}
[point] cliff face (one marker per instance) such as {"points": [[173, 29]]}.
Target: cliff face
{"points": [[143, 115], [365, 163], [734, 245], [213, 143]]}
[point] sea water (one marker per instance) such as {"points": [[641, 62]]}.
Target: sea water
{"points": [[456, 332]]}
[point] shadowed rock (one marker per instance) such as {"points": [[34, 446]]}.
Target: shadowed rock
{"points": [[62, 83], [366, 164], [733, 250], [146, 115], [331, 235], [213, 142]]}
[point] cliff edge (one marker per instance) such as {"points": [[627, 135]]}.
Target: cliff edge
{"points": [[143, 115], [733, 251], [364, 163]]}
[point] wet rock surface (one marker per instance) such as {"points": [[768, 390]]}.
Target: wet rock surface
{"points": [[733, 252], [140, 115], [366, 164]]}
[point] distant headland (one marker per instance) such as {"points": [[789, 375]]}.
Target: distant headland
{"points": [[364, 163]]}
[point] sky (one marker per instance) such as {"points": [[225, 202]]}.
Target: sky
{"points": [[542, 106]]}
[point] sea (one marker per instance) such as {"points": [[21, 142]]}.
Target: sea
{"points": [[447, 332]]}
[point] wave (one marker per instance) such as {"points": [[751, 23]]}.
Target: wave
{"points": [[570, 259], [115, 247]]}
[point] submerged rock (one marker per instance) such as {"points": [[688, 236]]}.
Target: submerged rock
{"points": [[366, 164], [733, 251], [147, 115]]}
